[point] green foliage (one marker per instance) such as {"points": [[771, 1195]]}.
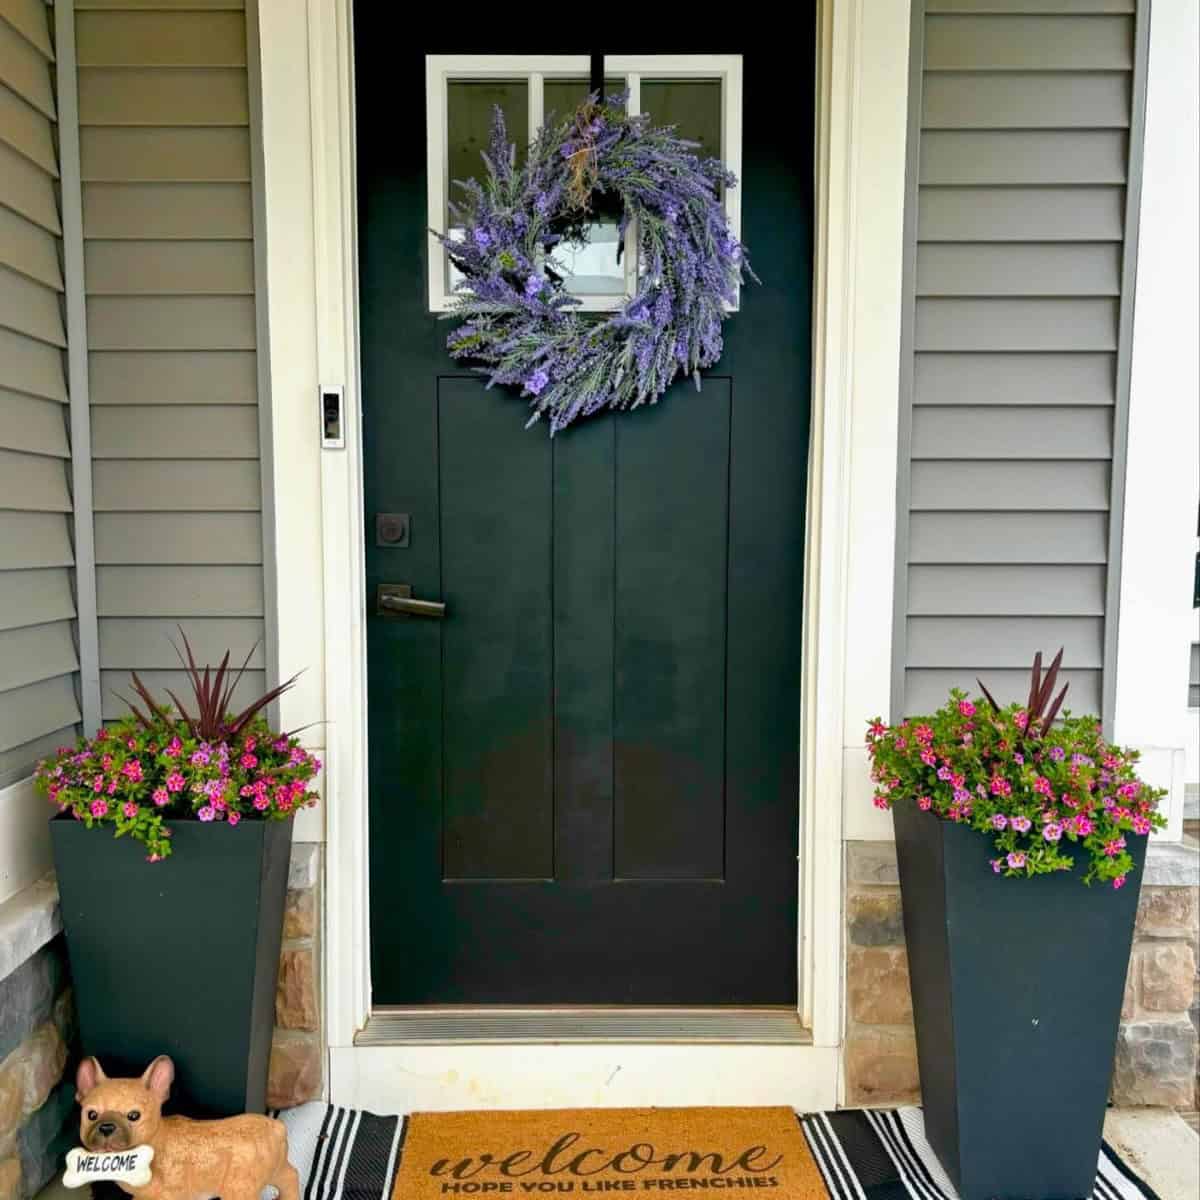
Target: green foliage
{"points": [[1016, 775]]}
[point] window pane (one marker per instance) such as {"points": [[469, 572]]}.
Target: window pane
{"points": [[595, 269], [564, 96], [469, 105], [694, 105]]}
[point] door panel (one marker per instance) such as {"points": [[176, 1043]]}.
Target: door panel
{"points": [[497, 646], [672, 532], [584, 780]]}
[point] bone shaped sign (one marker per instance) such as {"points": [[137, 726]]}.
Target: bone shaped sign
{"points": [[130, 1167]]}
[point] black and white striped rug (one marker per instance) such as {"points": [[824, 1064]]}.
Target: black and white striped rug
{"points": [[863, 1154]]}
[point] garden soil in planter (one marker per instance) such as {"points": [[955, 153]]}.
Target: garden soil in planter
{"points": [[1017, 989], [178, 957]]}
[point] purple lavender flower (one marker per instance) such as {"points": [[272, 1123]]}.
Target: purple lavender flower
{"points": [[533, 285], [482, 238], [535, 384]]}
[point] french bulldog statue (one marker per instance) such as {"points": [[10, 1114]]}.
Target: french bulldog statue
{"points": [[233, 1158]]}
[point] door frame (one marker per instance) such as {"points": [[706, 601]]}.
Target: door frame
{"points": [[859, 198]]}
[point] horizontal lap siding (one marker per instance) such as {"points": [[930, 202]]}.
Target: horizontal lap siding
{"points": [[1020, 159], [165, 157], [39, 705]]}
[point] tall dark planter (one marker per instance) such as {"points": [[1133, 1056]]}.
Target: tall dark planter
{"points": [[1017, 987], [178, 957]]}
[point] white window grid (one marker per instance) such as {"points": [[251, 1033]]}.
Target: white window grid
{"points": [[441, 69]]}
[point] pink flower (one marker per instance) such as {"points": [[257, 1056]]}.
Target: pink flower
{"points": [[98, 784], [131, 744], [175, 782], [928, 757], [1000, 787], [154, 858], [1141, 824], [923, 734], [200, 757], [132, 770], [160, 796], [1052, 832], [261, 802], [1043, 785], [966, 708], [1020, 719], [1113, 848], [106, 762], [1119, 882], [248, 761], [99, 808], [880, 800], [1084, 826], [234, 818], [207, 813], [1016, 859], [251, 742], [924, 803], [281, 744], [999, 821], [997, 864], [174, 748], [130, 809], [1021, 824]]}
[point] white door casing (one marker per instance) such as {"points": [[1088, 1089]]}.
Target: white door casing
{"points": [[308, 185]]}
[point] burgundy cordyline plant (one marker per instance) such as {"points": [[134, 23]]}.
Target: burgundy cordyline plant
{"points": [[519, 321], [203, 760], [1033, 784]]}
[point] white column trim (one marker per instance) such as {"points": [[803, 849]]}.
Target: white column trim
{"points": [[1162, 471]]}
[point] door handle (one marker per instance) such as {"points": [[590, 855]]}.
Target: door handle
{"points": [[396, 600]]}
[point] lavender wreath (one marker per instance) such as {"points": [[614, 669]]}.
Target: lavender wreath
{"points": [[518, 319]]}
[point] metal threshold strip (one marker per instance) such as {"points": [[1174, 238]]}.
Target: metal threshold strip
{"points": [[429, 1026]]}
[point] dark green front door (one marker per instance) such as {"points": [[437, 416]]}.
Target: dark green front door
{"points": [[584, 780]]}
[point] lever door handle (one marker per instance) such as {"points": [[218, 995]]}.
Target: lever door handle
{"points": [[396, 600]]}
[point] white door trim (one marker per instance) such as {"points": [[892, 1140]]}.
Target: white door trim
{"points": [[320, 305]]}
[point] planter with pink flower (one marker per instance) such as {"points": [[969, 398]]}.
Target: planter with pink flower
{"points": [[172, 842], [1020, 834]]}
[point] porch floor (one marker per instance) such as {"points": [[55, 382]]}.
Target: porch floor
{"points": [[1155, 1142]]}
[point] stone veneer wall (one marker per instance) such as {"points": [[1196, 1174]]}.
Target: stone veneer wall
{"points": [[1156, 1056], [297, 1052], [37, 1046]]}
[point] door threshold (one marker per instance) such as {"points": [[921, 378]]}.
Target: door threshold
{"points": [[481, 1026]]}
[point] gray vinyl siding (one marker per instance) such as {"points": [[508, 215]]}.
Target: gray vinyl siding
{"points": [[1024, 141], [39, 704], [165, 158], [1194, 677]]}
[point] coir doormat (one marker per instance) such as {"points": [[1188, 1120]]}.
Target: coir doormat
{"points": [[736, 1153]]}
